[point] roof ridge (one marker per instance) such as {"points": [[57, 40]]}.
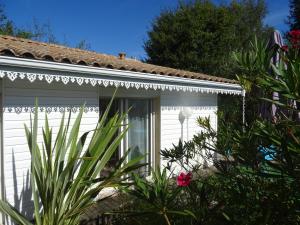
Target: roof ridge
{"points": [[57, 45]]}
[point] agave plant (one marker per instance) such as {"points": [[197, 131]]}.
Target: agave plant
{"points": [[65, 172]]}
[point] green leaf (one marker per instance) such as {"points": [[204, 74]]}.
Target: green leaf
{"points": [[13, 213]]}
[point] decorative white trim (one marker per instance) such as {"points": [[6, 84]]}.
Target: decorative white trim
{"points": [[168, 108], [106, 82], [49, 109], [75, 109], [66, 73]]}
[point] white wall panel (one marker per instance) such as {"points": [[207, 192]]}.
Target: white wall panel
{"points": [[172, 103], [19, 98]]}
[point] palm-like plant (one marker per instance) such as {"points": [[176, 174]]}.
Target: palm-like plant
{"points": [[65, 172]]}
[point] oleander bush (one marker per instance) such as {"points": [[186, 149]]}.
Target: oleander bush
{"points": [[256, 179]]}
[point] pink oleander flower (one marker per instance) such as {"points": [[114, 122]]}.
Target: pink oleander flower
{"points": [[294, 38], [285, 48], [184, 179]]}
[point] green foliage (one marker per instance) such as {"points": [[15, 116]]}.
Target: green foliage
{"points": [[65, 170], [199, 198], [199, 35], [180, 155], [7, 27], [156, 192], [283, 131], [293, 18], [247, 188], [286, 82], [84, 45], [159, 194], [252, 64], [247, 198]]}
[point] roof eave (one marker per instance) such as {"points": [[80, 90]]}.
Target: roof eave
{"points": [[122, 75]]}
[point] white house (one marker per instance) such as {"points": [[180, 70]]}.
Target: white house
{"points": [[64, 78]]}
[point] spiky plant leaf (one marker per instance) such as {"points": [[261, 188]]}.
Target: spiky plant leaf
{"points": [[65, 172]]}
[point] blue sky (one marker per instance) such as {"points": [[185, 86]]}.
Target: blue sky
{"points": [[110, 26]]}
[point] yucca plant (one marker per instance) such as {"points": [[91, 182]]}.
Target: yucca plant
{"points": [[65, 172]]}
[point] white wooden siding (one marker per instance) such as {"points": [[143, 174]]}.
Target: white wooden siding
{"points": [[201, 105], [19, 95], [52, 96]]}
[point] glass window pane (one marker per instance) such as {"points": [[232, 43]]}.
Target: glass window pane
{"points": [[139, 130]]}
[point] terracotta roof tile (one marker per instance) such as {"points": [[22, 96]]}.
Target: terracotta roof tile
{"points": [[18, 47]]}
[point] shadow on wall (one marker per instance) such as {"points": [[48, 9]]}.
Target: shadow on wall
{"points": [[22, 201], [190, 100]]}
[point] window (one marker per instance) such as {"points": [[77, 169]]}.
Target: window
{"points": [[138, 137], [115, 108]]}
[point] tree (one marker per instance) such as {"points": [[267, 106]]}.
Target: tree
{"points": [[84, 45], [39, 32], [7, 27], [200, 35], [294, 17]]}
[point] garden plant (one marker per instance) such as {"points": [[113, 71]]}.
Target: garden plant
{"points": [[65, 171], [257, 164]]}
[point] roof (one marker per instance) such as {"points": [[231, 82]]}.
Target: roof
{"points": [[25, 48]]}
